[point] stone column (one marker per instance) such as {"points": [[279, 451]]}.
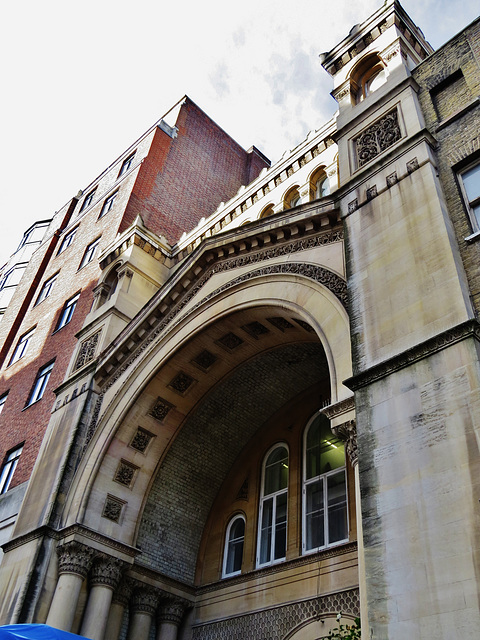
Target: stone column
{"points": [[170, 616], [74, 560], [120, 600], [104, 578], [347, 431], [143, 605]]}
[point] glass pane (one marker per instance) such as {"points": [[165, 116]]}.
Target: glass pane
{"points": [[471, 181], [266, 531], [315, 516], [313, 449], [476, 213], [276, 471], [235, 546], [337, 507], [280, 548]]}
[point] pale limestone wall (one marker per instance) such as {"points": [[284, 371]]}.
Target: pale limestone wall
{"points": [[419, 464]]}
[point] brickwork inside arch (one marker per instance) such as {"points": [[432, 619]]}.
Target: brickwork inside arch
{"points": [[207, 446]]}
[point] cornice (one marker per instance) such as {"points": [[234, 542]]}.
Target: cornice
{"points": [[468, 329]]}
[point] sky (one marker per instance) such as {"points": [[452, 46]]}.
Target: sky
{"points": [[82, 81]]}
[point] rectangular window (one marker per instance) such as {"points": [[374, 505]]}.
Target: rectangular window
{"points": [[46, 289], [88, 200], [21, 347], [470, 181], [8, 468], [108, 204], [67, 240], [40, 384], [126, 164], [67, 311], [89, 253], [3, 400]]}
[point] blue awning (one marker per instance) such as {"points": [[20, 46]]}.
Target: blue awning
{"points": [[34, 632]]}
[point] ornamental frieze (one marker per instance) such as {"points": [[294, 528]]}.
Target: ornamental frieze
{"points": [[377, 137]]}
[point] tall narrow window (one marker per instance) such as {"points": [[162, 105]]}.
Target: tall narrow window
{"points": [[272, 534], [89, 253], [46, 289], [40, 384], [67, 240], [126, 164], [88, 200], [3, 399], [8, 468], [67, 311], [22, 346], [108, 204], [325, 489], [470, 180], [234, 539]]}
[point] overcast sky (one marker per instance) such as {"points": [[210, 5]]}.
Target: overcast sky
{"points": [[82, 81]]}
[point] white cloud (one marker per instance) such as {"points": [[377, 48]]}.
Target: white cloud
{"points": [[82, 81]]}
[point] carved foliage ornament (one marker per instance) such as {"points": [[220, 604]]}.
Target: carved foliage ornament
{"points": [[347, 431], [378, 137], [106, 571], [74, 557], [171, 612], [87, 351]]}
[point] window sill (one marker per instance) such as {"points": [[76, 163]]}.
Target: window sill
{"points": [[474, 237]]}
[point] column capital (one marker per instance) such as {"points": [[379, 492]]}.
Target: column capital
{"points": [[347, 431], [74, 557], [144, 600], [171, 611], [123, 592], [106, 571]]}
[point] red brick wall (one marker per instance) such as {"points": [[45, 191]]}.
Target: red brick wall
{"points": [[185, 179]]}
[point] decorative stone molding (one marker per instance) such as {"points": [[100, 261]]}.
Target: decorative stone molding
{"points": [[205, 360], [86, 352], [412, 165], [229, 341], [279, 622], [144, 600], [463, 331], [141, 440], [392, 179], [171, 611], [125, 473], [378, 137], [347, 431], [74, 557], [161, 409], [106, 571], [371, 193], [181, 383], [113, 507], [330, 280], [339, 408]]}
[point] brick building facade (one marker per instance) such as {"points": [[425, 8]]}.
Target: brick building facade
{"points": [[242, 400]]}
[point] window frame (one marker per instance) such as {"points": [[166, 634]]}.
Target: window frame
{"points": [[40, 384], [108, 204], [67, 240], [87, 201], [126, 164], [9, 465], [3, 400], [89, 251], [67, 311], [274, 497], [46, 289], [323, 477], [227, 546], [475, 202], [22, 346]]}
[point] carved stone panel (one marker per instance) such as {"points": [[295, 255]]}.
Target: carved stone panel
{"points": [[87, 349], [161, 409], [141, 440], [377, 137]]}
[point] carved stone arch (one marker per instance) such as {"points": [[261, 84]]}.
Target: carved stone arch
{"points": [[318, 627], [312, 308]]}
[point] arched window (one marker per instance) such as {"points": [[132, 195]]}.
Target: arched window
{"points": [[292, 199], [268, 211], [272, 525], [319, 185], [234, 539], [325, 487], [368, 76]]}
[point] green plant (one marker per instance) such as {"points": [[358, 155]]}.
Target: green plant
{"points": [[346, 631]]}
